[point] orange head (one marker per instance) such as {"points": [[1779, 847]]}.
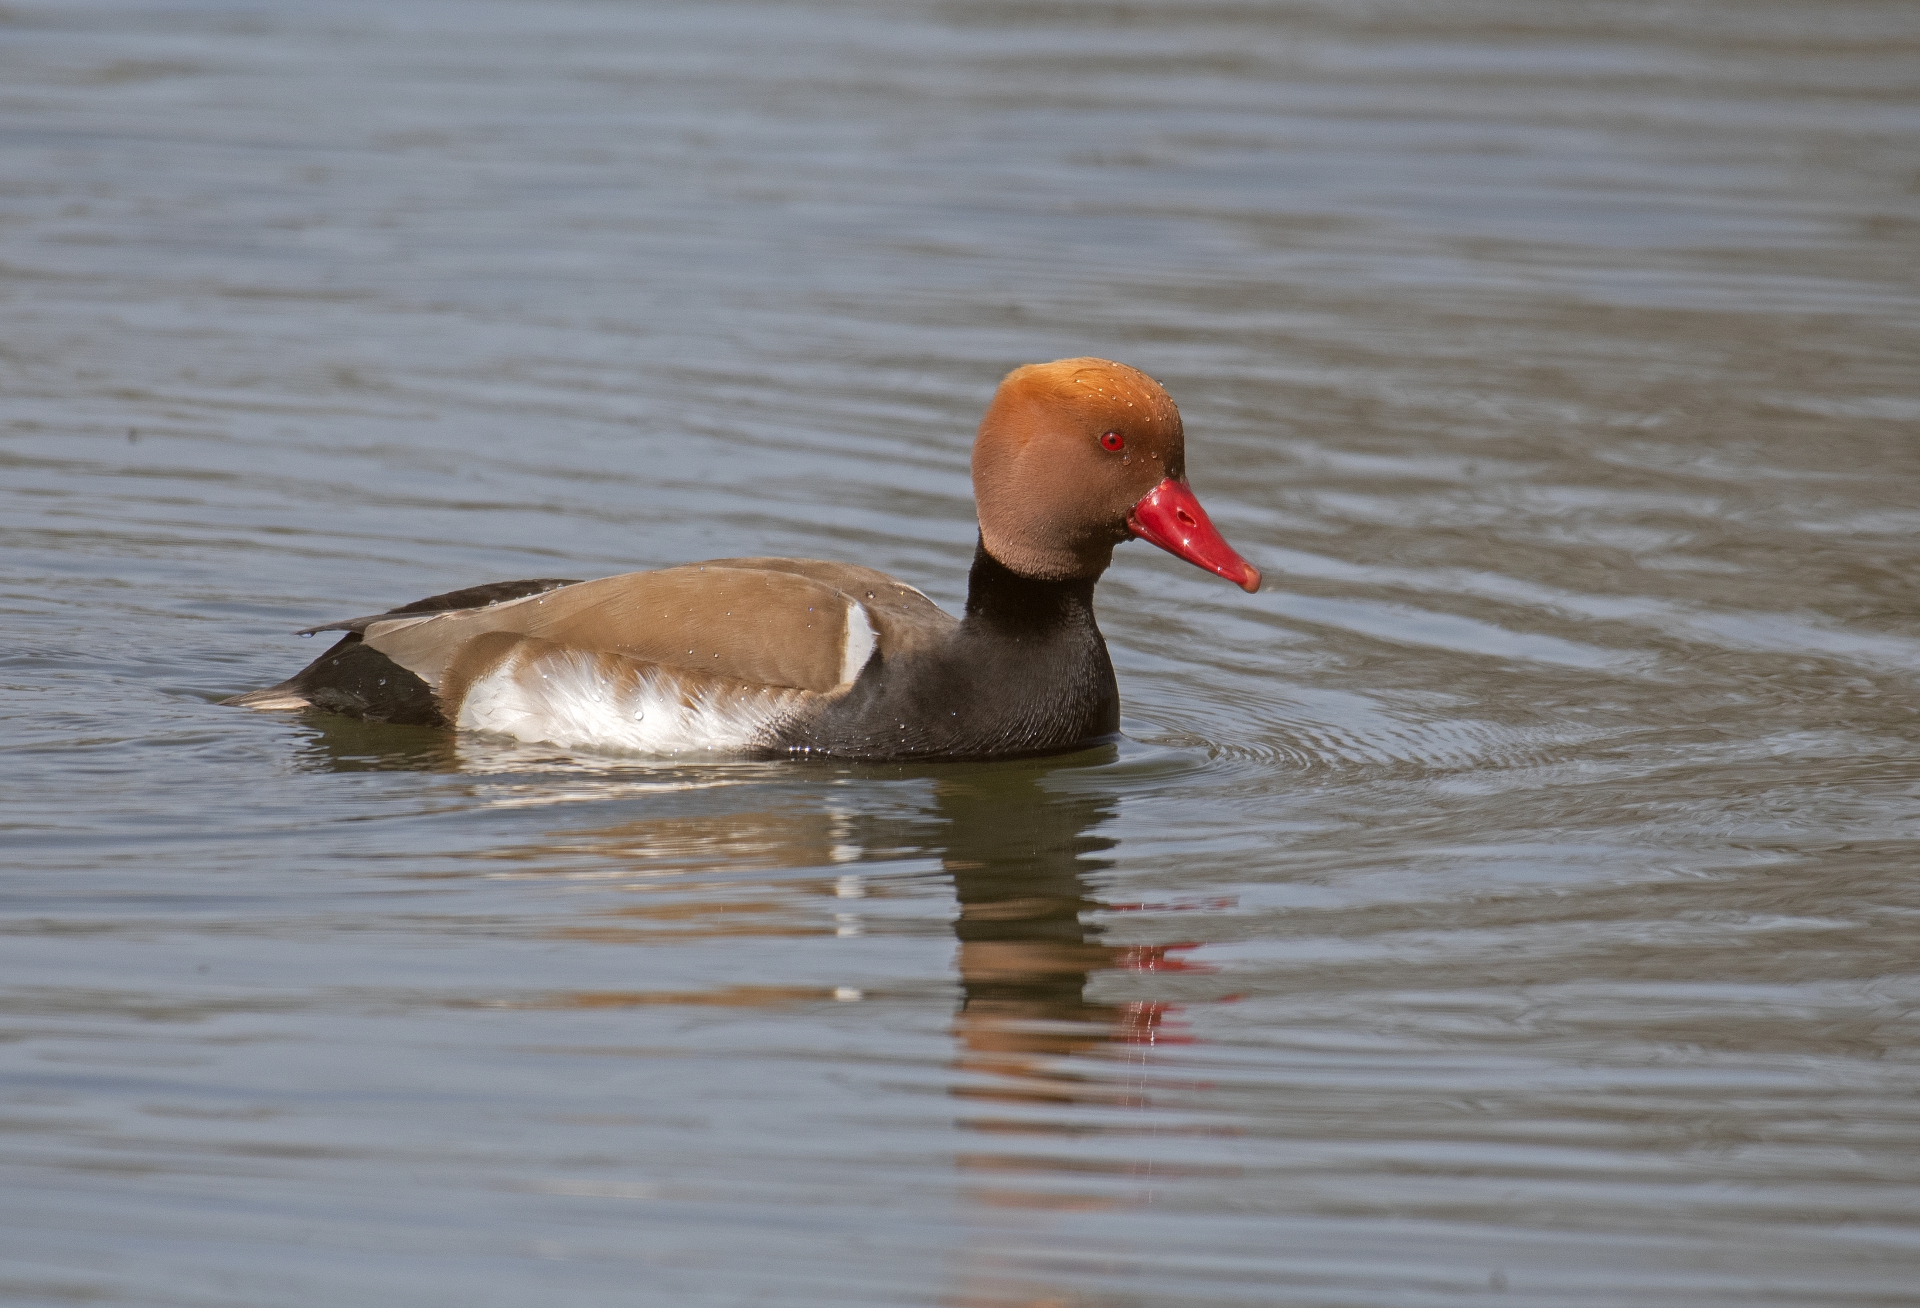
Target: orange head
{"points": [[1078, 455]]}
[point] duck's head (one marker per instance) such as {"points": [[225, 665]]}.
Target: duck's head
{"points": [[1078, 455]]}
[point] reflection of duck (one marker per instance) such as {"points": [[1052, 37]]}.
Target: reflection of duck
{"points": [[1019, 857], [340, 744], [765, 655]]}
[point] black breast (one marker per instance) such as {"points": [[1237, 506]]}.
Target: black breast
{"points": [[1026, 672]]}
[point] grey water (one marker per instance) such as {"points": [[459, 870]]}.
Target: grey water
{"points": [[1517, 901]]}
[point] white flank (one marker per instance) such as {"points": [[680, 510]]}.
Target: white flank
{"points": [[581, 700], [860, 638]]}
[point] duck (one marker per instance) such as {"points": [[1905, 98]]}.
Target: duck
{"points": [[774, 657]]}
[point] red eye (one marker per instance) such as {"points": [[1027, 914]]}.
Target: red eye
{"points": [[1114, 441]]}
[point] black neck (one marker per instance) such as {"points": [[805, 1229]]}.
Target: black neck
{"points": [[999, 598], [1025, 672]]}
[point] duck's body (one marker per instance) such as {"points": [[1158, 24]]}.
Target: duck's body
{"points": [[802, 656], [776, 656]]}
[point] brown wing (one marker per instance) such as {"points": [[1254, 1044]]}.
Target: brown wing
{"points": [[903, 618], [747, 620]]}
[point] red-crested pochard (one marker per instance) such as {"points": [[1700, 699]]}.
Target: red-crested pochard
{"points": [[795, 656]]}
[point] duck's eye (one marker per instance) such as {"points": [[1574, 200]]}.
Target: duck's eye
{"points": [[1114, 441]]}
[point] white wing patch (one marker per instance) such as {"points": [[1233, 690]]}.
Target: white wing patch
{"points": [[579, 699], [860, 638]]}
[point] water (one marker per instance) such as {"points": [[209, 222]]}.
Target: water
{"points": [[1514, 902]]}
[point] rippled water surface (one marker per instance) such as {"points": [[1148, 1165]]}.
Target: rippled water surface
{"points": [[1516, 901]]}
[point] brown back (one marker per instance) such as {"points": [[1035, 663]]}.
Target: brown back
{"points": [[770, 622]]}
